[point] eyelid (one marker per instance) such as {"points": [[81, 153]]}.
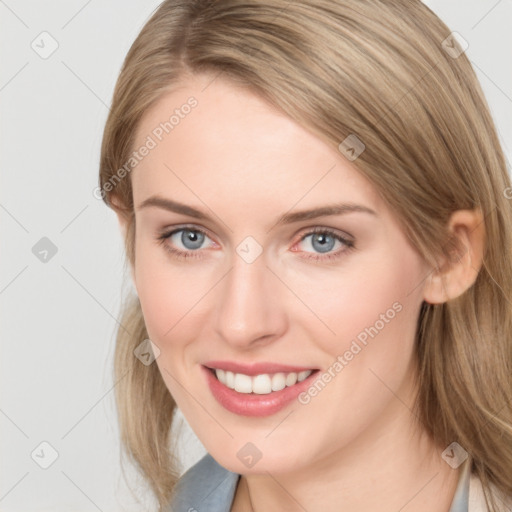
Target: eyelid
{"points": [[344, 238], [169, 231], [304, 231], [323, 229]]}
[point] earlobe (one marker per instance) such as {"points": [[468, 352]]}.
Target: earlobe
{"points": [[457, 272]]}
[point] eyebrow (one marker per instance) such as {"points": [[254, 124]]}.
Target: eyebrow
{"points": [[287, 218]]}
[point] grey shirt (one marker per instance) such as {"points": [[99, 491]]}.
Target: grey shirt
{"points": [[209, 487]]}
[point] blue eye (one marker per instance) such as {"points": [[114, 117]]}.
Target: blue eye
{"points": [[322, 241], [190, 238]]}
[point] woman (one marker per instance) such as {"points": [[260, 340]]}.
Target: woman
{"points": [[314, 203]]}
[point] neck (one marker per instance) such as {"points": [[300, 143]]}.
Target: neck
{"points": [[394, 471]]}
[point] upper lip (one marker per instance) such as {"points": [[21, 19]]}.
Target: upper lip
{"points": [[255, 368]]}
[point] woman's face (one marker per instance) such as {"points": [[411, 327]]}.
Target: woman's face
{"points": [[245, 279]]}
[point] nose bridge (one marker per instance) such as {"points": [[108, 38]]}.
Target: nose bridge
{"points": [[247, 308]]}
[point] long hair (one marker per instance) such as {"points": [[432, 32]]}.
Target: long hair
{"points": [[390, 74]]}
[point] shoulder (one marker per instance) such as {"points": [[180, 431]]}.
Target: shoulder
{"points": [[205, 486], [476, 502]]}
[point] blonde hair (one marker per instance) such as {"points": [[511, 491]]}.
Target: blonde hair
{"points": [[379, 71]]}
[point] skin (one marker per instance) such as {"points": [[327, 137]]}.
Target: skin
{"points": [[356, 445]]}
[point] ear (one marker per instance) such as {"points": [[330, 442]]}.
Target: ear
{"points": [[456, 273]]}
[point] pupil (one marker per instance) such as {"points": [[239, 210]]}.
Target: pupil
{"points": [[325, 244], [192, 239]]}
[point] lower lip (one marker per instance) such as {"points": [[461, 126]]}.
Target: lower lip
{"points": [[252, 404]]}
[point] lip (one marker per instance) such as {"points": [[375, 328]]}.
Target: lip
{"points": [[255, 368], [252, 404]]}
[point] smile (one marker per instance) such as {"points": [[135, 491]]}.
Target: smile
{"points": [[260, 394], [261, 384]]}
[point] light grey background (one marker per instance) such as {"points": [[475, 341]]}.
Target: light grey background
{"points": [[59, 316]]}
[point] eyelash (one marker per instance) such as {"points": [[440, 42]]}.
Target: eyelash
{"points": [[349, 245]]}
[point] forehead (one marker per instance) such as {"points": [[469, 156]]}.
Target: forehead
{"points": [[211, 137]]}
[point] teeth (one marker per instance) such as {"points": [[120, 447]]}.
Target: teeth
{"points": [[291, 379], [260, 384], [279, 381], [243, 383]]}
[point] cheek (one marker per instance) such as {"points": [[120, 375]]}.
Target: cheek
{"points": [[161, 292], [374, 302], [172, 297], [167, 297], [373, 312]]}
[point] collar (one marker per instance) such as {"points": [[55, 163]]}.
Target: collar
{"points": [[460, 502]]}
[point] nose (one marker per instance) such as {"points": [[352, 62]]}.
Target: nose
{"points": [[250, 311]]}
